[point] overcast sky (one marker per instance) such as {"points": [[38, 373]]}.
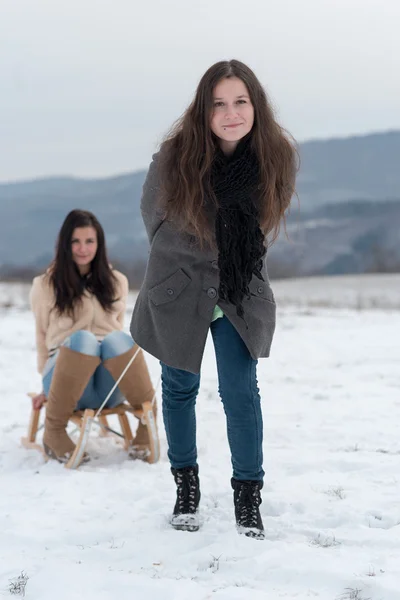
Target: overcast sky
{"points": [[89, 87]]}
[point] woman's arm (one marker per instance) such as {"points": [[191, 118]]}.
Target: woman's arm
{"points": [[152, 214], [40, 310], [124, 289]]}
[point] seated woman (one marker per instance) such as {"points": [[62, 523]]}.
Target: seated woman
{"points": [[79, 307]]}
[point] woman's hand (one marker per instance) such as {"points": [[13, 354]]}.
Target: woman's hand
{"points": [[38, 401]]}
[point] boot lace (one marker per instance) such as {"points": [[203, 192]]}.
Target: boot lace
{"points": [[248, 502], [186, 483]]}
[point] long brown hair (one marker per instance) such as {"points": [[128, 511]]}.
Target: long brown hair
{"points": [[64, 275], [188, 150]]}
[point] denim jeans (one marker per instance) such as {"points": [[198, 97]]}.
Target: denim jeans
{"points": [[240, 397], [101, 382]]}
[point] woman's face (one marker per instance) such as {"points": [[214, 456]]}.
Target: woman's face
{"points": [[233, 114], [83, 245]]}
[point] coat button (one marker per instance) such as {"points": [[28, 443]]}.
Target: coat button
{"points": [[260, 289], [211, 292], [170, 291], [214, 264]]}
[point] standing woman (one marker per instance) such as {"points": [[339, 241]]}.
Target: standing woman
{"points": [[79, 307], [213, 200]]}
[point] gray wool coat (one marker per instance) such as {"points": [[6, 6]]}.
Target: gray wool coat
{"points": [[175, 305]]}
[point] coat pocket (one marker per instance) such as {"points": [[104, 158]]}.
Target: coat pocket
{"points": [[261, 289], [170, 289]]}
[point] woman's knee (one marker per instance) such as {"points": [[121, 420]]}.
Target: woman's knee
{"points": [[179, 388], [239, 390], [116, 343], [84, 342]]}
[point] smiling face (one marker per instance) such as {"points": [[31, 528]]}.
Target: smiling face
{"points": [[232, 116], [83, 247]]}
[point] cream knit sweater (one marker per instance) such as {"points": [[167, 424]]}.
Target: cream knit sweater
{"points": [[52, 329]]}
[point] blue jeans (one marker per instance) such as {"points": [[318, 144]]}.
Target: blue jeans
{"points": [[240, 397], [101, 382]]}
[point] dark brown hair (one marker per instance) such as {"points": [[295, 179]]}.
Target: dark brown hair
{"points": [[64, 274], [188, 151]]}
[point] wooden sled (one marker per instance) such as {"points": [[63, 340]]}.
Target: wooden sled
{"points": [[83, 419]]}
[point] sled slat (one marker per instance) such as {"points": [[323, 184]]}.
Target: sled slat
{"points": [[104, 423], [148, 417], [79, 451], [126, 430]]}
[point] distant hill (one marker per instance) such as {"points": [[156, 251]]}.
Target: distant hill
{"points": [[36, 210], [338, 170], [348, 220], [357, 236]]}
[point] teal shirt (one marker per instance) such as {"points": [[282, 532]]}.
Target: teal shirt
{"points": [[217, 313]]}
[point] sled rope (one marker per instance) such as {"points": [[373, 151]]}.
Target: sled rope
{"points": [[116, 383]]}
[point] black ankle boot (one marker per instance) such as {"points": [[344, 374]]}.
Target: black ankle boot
{"points": [[247, 499], [185, 515]]}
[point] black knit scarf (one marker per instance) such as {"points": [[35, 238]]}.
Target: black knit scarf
{"points": [[240, 241]]}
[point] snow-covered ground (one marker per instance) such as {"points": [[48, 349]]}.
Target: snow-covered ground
{"points": [[331, 501]]}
